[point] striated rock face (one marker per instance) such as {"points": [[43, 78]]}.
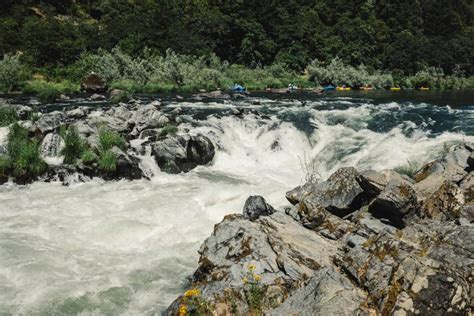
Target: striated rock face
{"points": [[369, 243]]}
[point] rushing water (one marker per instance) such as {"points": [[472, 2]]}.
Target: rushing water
{"points": [[108, 248]]}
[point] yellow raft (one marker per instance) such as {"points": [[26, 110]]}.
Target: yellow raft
{"points": [[343, 88], [395, 88], [424, 89]]}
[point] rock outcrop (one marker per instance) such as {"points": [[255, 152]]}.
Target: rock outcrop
{"points": [[369, 243]]}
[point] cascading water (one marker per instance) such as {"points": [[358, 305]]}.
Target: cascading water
{"points": [[127, 247]]}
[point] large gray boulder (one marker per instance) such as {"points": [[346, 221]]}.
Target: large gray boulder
{"points": [[181, 153]]}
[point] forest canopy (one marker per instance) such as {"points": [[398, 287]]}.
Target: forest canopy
{"points": [[397, 35]]}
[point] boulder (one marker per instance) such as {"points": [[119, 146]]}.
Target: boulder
{"points": [[181, 153], [445, 204], [453, 167], [395, 201], [256, 206], [147, 117], [127, 167], [93, 83], [373, 182], [78, 113], [48, 122], [340, 194]]}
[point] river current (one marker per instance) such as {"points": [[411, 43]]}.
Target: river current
{"points": [[129, 247]]}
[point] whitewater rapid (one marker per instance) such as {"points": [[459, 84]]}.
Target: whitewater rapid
{"points": [[128, 247]]}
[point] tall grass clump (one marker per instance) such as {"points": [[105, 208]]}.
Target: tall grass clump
{"points": [[5, 165], [107, 140], [12, 72], [7, 116], [74, 146], [24, 153]]}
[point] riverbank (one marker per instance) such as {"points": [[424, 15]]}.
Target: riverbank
{"points": [[177, 73]]}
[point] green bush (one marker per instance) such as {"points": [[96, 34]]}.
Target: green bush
{"points": [[7, 116], [123, 96], [108, 161], [74, 145], [12, 72], [410, 169]]}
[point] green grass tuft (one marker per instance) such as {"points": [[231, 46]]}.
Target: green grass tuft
{"points": [[74, 145], [109, 139], [108, 161]]}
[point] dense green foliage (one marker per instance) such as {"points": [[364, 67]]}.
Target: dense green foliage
{"points": [[23, 153], [401, 36]]}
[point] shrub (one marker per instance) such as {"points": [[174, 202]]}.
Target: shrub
{"points": [[74, 145], [7, 116], [109, 139], [108, 161], [12, 72]]}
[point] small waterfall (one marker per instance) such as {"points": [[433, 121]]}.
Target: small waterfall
{"points": [[51, 148], [147, 162]]}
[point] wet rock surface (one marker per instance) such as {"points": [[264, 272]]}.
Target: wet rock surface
{"points": [[399, 248]]}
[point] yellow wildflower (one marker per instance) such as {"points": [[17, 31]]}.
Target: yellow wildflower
{"points": [[257, 277], [251, 267], [193, 292], [245, 280], [183, 310]]}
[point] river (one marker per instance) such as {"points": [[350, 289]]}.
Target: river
{"points": [[129, 247]]}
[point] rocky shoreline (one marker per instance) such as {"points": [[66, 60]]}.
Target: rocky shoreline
{"points": [[359, 243]]}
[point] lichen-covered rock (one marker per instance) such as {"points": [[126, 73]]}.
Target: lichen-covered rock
{"points": [[341, 194], [445, 204], [256, 206], [395, 201], [327, 293]]}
